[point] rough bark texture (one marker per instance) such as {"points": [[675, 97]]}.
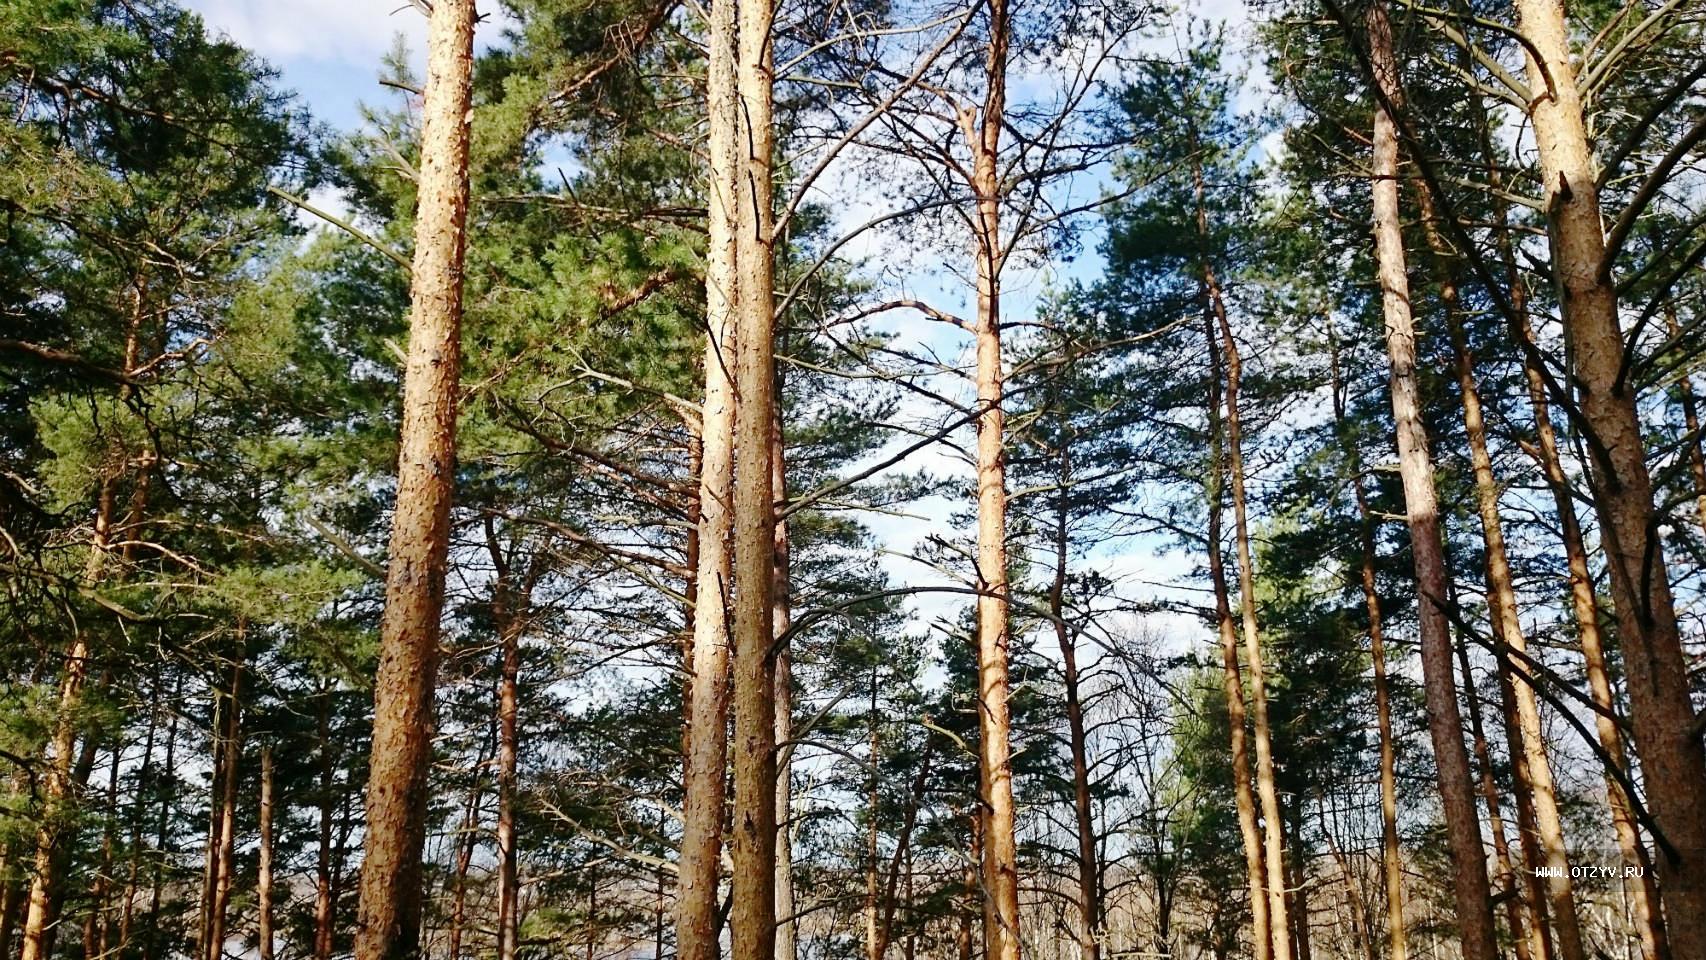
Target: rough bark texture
{"points": [[1529, 753], [1673, 764], [389, 928], [1415, 465], [995, 769], [752, 916], [1244, 793], [705, 739]]}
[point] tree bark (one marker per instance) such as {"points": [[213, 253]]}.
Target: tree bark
{"points": [[787, 930], [1673, 763], [324, 904], [264, 878], [224, 865], [1529, 744], [420, 530], [1266, 787], [995, 767], [1244, 794], [1531, 939], [509, 612], [1415, 464], [1089, 899], [705, 736], [752, 916]]}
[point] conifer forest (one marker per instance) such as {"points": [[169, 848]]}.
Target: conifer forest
{"points": [[853, 480]]}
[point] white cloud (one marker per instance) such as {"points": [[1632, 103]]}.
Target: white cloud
{"points": [[352, 31]]}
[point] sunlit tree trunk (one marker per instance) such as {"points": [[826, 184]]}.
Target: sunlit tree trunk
{"points": [[420, 531], [325, 905], [1673, 762], [787, 945], [41, 906], [264, 878], [1528, 741], [995, 768], [752, 915], [705, 739], [508, 605], [1244, 793], [1267, 789], [1415, 465]]}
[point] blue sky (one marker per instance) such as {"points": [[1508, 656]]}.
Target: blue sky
{"points": [[329, 52]]}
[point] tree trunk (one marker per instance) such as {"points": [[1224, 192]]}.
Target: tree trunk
{"points": [[263, 879], [1528, 930], [1673, 763], [1391, 857], [224, 865], [705, 737], [1415, 465], [787, 942], [324, 904], [420, 530], [151, 944], [874, 942], [96, 925], [995, 768], [752, 917], [1244, 793], [468, 839], [1529, 741], [509, 613], [1266, 787], [1089, 900]]}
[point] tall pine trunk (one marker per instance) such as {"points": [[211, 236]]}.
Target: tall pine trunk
{"points": [[752, 916], [1528, 742], [264, 877], [1673, 763], [223, 853], [58, 786], [1089, 900], [509, 612], [1415, 467], [1267, 788], [705, 737], [420, 529], [995, 767], [1243, 789], [787, 929]]}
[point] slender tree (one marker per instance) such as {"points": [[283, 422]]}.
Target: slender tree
{"points": [[414, 592]]}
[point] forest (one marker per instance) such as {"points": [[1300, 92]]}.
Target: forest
{"points": [[855, 480]]}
